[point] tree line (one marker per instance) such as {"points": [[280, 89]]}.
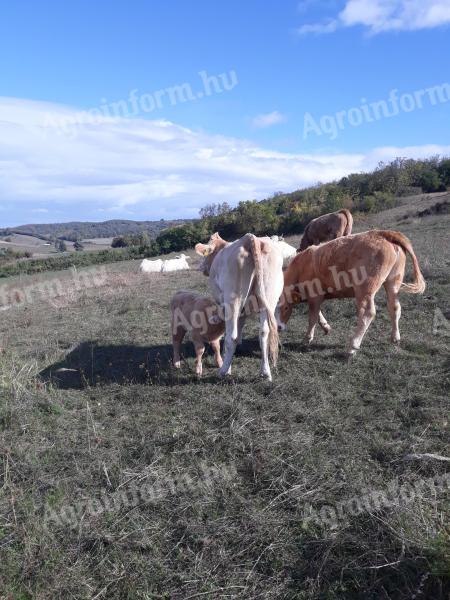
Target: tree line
{"points": [[289, 213]]}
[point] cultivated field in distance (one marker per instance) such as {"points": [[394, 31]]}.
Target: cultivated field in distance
{"points": [[125, 479]]}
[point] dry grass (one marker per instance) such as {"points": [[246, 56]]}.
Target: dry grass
{"points": [[323, 432]]}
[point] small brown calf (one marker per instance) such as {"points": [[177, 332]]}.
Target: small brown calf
{"points": [[199, 315]]}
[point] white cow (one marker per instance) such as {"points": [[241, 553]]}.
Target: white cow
{"points": [[245, 277], [151, 266], [286, 249], [180, 263]]}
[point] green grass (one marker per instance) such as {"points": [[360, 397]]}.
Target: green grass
{"points": [[324, 431]]}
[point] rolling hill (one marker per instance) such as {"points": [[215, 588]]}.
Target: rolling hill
{"points": [[77, 230]]}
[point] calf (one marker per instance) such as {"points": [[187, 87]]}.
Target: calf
{"points": [[351, 267], [327, 227], [199, 315]]}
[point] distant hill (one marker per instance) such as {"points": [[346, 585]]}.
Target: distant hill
{"points": [[79, 231]]}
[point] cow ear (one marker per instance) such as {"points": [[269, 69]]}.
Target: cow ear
{"points": [[202, 249]]}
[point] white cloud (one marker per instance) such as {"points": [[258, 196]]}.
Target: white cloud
{"points": [[386, 15], [146, 169], [325, 27], [268, 119]]}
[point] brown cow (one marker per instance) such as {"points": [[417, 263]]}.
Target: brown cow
{"points": [[199, 315], [354, 266], [327, 227]]}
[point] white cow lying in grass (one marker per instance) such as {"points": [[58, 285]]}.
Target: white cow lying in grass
{"points": [[175, 264], [179, 263], [151, 266], [286, 249]]}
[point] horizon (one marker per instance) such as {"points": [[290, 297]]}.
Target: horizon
{"points": [[163, 109]]}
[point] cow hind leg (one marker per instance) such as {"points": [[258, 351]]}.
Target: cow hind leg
{"points": [[366, 314], [264, 344], [230, 349], [392, 287], [394, 308]]}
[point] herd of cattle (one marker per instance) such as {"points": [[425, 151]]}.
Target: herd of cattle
{"points": [[246, 278], [180, 262]]}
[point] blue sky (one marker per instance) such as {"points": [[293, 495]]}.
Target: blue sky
{"points": [[285, 64]]}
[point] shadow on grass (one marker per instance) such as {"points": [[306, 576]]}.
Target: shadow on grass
{"points": [[91, 364], [303, 346]]}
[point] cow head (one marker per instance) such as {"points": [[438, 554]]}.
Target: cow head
{"points": [[209, 252], [288, 299]]}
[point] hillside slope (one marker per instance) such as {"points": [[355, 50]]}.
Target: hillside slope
{"points": [[90, 230]]}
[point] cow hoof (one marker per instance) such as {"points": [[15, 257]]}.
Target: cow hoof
{"points": [[326, 329], [223, 374], [177, 364], [351, 353], [266, 376]]}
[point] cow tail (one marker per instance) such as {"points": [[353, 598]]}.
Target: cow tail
{"points": [[395, 237], [274, 342], [349, 217]]}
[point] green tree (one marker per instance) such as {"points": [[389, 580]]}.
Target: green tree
{"points": [[444, 172], [430, 181], [119, 242], [60, 245]]}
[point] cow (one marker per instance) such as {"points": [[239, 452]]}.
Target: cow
{"points": [[286, 249], [150, 266], [327, 227], [175, 264], [353, 266], [245, 277], [199, 315]]}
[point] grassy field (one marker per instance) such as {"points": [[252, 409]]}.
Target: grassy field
{"points": [[90, 407], [27, 243], [41, 249]]}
